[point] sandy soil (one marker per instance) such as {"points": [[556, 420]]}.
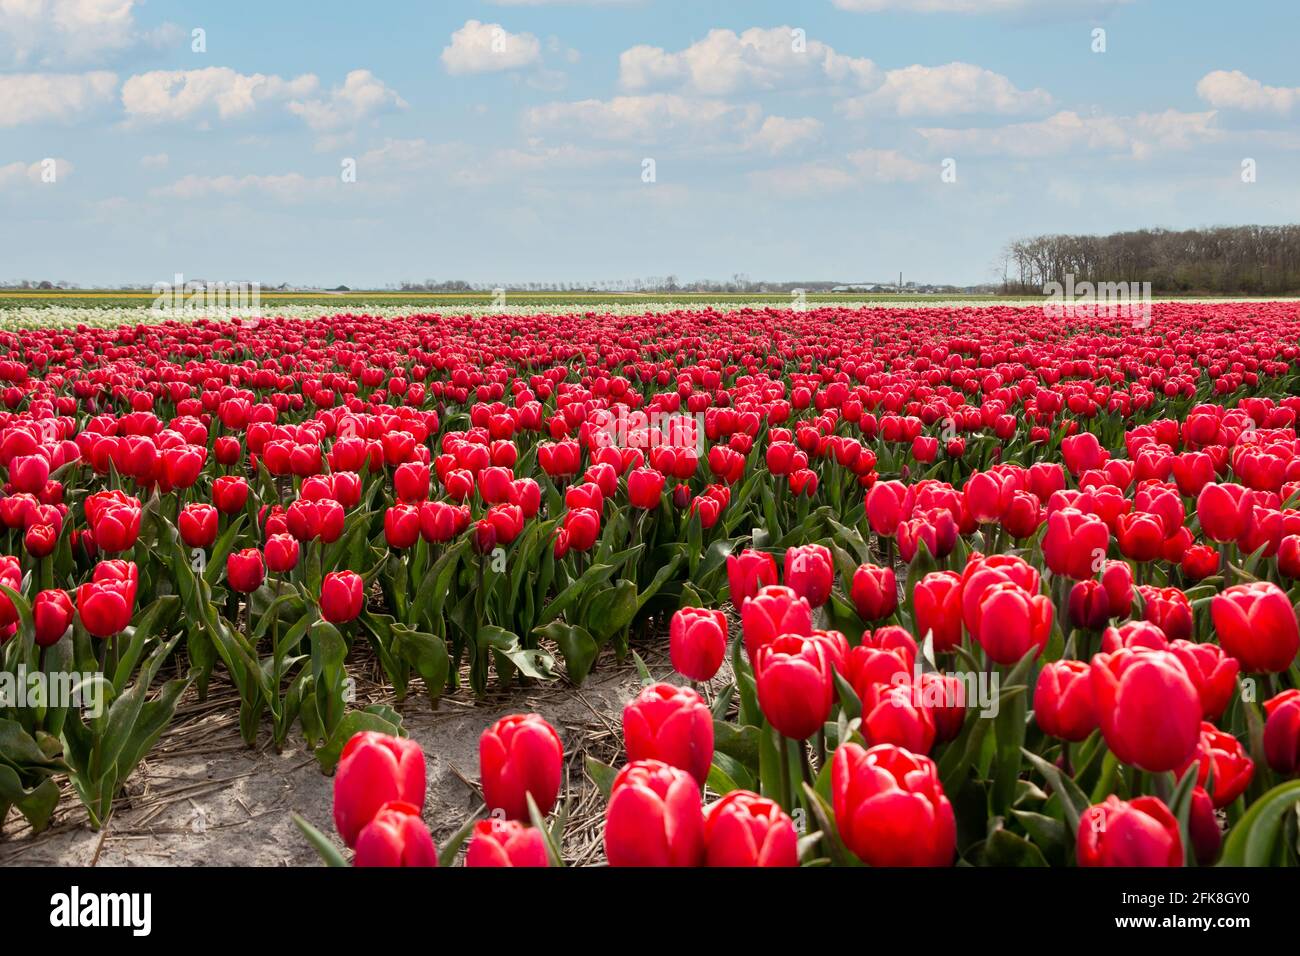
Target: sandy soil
{"points": [[202, 798]]}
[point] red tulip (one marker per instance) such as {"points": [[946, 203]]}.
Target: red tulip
{"points": [[396, 836], [1288, 556], [1213, 673], [1063, 700], [645, 486], [116, 526], [1224, 511], [1282, 732], [105, 607], [373, 770], [1168, 609], [1141, 832], [889, 503], [1223, 754], [697, 642], [874, 592], [1140, 536], [890, 808], [749, 571], [198, 525], [1075, 543], [1083, 452], [583, 528], [1256, 624], [810, 573], [774, 611], [497, 842], [1203, 827], [894, 714], [1012, 622], [411, 481], [1199, 562], [936, 605], [744, 829], [1149, 710], [508, 523], [245, 570], [29, 473], [519, 755], [51, 616], [229, 494], [672, 724], [402, 526], [795, 685], [1089, 605], [282, 552], [342, 596], [40, 540], [654, 817], [1117, 580]]}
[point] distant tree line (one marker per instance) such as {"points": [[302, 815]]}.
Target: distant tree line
{"points": [[1226, 260]]}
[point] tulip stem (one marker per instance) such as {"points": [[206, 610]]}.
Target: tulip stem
{"points": [[787, 792]]}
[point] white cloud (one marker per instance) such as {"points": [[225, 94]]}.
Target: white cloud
{"points": [[952, 89], [1068, 132], [778, 134], [53, 97], [362, 95], [978, 6], [172, 95], [488, 47], [290, 187], [155, 161], [18, 174], [1234, 90], [725, 62], [71, 31], [645, 118]]}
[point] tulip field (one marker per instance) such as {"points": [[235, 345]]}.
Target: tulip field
{"points": [[976, 586]]}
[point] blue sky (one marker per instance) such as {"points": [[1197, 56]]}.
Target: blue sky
{"points": [[507, 141]]}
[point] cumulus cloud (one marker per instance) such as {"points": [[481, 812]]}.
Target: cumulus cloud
{"points": [[71, 31], [645, 118], [479, 47], [952, 89], [1234, 90], [172, 95], [725, 62], [221, 93], [1068, 132], [361, 96], [155, 161], [53, 97]]}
